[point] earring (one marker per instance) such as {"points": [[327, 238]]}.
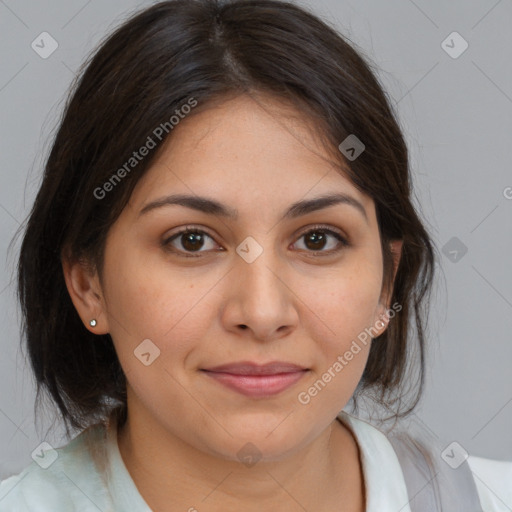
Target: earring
{"points": [[92, 323]]}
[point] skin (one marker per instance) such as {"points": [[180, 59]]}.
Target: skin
{"points": [[290, 304]]}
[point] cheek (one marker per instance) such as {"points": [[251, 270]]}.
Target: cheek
{"points": [[341, 312], [340, 315], [346, 304], [151, 302], [174, 318], [147, 295]]}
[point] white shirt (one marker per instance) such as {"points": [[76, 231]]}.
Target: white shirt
{"points": [[89, 475]]}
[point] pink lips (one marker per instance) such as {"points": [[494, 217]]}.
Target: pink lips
{"points": [[255, 380]]}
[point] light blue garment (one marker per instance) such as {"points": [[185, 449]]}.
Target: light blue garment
{"points": [[89, 475]]}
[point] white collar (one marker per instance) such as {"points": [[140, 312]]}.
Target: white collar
{"points": [[125, 495], [384, 480]]}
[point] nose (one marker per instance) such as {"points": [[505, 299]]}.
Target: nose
{"points": [[259, 302]]}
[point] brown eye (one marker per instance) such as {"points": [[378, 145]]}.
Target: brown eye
{"points": [[192, 241], [189, 241], [317, 239]]}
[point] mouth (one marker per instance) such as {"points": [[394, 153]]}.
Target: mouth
{"points": [[257, 381]]}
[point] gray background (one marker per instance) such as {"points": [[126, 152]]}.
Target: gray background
{"points": [[457, 116]]}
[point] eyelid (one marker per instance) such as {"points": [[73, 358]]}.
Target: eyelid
{"points": [[190, 227], [322, 227]]}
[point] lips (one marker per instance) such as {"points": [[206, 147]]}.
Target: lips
{"points": [[250, 368], [257, 381]]}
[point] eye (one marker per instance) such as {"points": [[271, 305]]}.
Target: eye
{"points": [[192, 240], [188, 241], [316, 239]]}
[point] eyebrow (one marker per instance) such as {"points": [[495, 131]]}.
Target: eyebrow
{"points": [[213, 207]]}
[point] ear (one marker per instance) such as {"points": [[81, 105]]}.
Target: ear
{"points": [[85, 291], [381, 318]]}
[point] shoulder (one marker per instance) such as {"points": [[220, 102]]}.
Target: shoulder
{"points": [[60, 479], [31, 489], [493, 479]]}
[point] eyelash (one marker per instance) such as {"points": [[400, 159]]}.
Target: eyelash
{"points": [[318, 228]]}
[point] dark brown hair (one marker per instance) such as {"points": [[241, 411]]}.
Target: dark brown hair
{"points": [[141, 74]]}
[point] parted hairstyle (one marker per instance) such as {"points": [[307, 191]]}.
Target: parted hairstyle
{"points": [[140, 76]]}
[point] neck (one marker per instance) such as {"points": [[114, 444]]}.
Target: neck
{"points": [[174, 476]]}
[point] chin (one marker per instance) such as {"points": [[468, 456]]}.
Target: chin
{"points": [[260, 439]]}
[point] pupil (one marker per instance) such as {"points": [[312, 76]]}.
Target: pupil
{"points": [[316, 237], [190, 241]]}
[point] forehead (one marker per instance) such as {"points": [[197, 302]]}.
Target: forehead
{"points": [[245, 150]]}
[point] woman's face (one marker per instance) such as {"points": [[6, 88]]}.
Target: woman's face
{"points": [[272, 283]]}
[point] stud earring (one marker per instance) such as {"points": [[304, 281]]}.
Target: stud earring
{"points": [[92, 323]]}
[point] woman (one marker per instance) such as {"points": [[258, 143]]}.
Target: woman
{"points": [[222, 255]]}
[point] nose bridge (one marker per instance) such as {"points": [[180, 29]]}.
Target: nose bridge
{"points": [[258, 296], [257, 268]]}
